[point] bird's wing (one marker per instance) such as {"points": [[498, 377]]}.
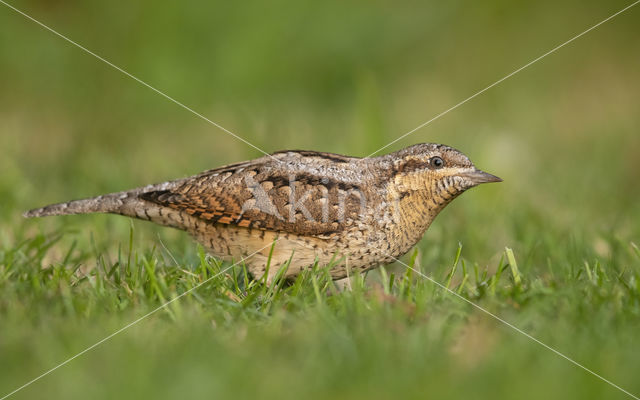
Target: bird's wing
{"points": [[263, 195]]}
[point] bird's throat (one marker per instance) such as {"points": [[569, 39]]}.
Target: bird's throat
{"points": [[416, 210]]}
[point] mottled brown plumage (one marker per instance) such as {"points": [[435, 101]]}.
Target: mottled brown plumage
{"points": [[355, 213]]}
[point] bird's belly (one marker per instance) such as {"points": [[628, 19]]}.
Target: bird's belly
{"points": [[266, 251]]}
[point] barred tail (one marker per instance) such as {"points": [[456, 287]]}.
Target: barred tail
{"points": [[109, 203], [126, 203]]}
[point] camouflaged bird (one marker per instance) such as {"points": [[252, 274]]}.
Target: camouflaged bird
{"points": [[352, 213]]}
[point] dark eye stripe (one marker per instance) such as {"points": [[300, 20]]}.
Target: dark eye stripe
{"points": [[412, 165]]}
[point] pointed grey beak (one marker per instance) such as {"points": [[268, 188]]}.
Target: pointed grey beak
{"points": [[478, 177]]}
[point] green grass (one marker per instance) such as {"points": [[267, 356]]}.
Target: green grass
{"points": [[553, 249], [393, 334]]}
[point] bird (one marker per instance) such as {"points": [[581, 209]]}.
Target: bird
{"points": [[292, 210]]}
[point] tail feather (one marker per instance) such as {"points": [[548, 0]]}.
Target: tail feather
{"points": [[118, 203], [101, 204]]}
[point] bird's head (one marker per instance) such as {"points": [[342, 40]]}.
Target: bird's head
{"points": [[441, 171]]}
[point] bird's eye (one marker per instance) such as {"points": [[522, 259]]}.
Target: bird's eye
{"points": [[436, 162]]}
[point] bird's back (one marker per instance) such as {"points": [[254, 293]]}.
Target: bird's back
{"points": [[299, 192]]}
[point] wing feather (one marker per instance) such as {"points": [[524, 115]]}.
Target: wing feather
{"points": [[262, 196]]}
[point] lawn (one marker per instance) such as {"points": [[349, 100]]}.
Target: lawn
{"points": [[553, 251]]}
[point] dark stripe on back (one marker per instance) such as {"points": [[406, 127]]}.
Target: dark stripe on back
{"points": [[327, 156]]}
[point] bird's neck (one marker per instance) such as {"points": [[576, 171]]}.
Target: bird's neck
{"points": [[414, 210]]}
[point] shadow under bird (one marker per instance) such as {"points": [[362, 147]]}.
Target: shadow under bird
{"points": [[352, 213]]}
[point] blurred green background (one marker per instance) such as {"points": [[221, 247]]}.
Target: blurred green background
{"points": [[344, 77]]}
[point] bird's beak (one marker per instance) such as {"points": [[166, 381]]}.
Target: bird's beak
{"points": [[478, 177]]}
